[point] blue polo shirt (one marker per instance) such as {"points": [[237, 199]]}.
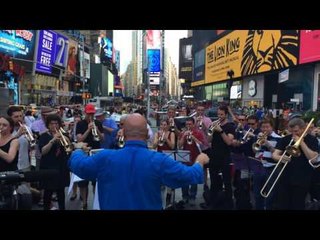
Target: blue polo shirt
{"points": [[131, 178]]}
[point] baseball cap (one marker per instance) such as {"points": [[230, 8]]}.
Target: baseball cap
{"points": [[89, 108]]}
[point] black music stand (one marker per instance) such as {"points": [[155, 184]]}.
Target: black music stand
{"points": [[182, 156]]}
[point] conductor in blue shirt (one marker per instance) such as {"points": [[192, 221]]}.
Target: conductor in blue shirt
{"points": [[131, 178]]}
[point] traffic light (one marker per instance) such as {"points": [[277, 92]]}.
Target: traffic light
{"points": [[86, 95]]}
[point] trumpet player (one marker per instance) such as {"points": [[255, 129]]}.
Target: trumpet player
{"points": [[54, 156], [221, 139], [205, 122], [295, 180], [164, 139], [263, 147], [16, 114], [84, 134], [196, 139]]}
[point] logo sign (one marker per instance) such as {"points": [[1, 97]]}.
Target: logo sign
{"points": [[52, 50], [252, 90], [284, 76], [154, 60]]}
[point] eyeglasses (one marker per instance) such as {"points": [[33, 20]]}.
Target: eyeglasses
{"points": [[251, 123]]}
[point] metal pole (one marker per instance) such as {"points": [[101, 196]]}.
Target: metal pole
{"points": [[148, 91], [82, 64]]}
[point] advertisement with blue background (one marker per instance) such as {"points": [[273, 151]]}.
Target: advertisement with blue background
{"points": [[18, 43], [52, 50], [154, 60], [106, 49]]}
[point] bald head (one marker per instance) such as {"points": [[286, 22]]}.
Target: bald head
{"points": [[135, 127]]}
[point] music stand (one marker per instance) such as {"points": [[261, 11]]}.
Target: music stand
{"points": [[182, 156]]}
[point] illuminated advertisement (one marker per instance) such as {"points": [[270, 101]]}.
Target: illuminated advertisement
{"points": [[52, 50], [154, 60], [309, 46], [18, 43], [117, 60], [45, 56], [153, 38], [249, 52], [185, 59], [106, 47], [72, 59], [110, 83]]}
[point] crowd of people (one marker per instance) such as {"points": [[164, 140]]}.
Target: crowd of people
{"points": [[232, 156]]}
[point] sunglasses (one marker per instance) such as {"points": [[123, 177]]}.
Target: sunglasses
{"points": [[241, 119], [251, 123]]}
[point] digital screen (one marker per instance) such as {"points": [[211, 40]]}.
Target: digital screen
{"points": [[106, 49], [18, 43], [154, 60]]}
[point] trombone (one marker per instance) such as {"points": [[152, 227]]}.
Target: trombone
{"points": [[291, 150], [28, 135], [213, 126]]}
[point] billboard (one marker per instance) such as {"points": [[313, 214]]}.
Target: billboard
{"points": [[249, 52], [18, 43], [72, 60], [117, 60], [45, 56], [309, 46], [106, 49], [84, 64], [153, 39], [154, 60], [110, 83], [185, 58]]}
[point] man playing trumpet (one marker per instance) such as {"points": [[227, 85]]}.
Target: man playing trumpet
{"points": [[191, 139]]}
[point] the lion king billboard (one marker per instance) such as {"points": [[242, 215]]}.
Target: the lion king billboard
{"points": [[249, 52]]}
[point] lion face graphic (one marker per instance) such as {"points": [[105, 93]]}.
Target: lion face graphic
{"points": [[267, 50]]}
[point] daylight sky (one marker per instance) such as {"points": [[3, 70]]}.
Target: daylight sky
{"points": [[123, 42]]}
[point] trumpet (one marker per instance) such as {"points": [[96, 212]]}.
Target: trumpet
{"points": [[172, 128], [291, 150], [28, 135], [200, 123], [256, 147], [95, 132], [161, 140], [213, 126], [189, 137], [121, 142], [64, 141], [246, 137]]}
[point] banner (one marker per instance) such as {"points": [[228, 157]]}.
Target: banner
{"points": [[249, 52], [309, 46]]}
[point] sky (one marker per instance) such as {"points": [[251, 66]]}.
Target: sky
{"points": [[123, 42]]}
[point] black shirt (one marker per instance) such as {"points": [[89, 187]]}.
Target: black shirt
{"points": [[4, 165], [220, 149], [82, 127], [298, 170]]}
